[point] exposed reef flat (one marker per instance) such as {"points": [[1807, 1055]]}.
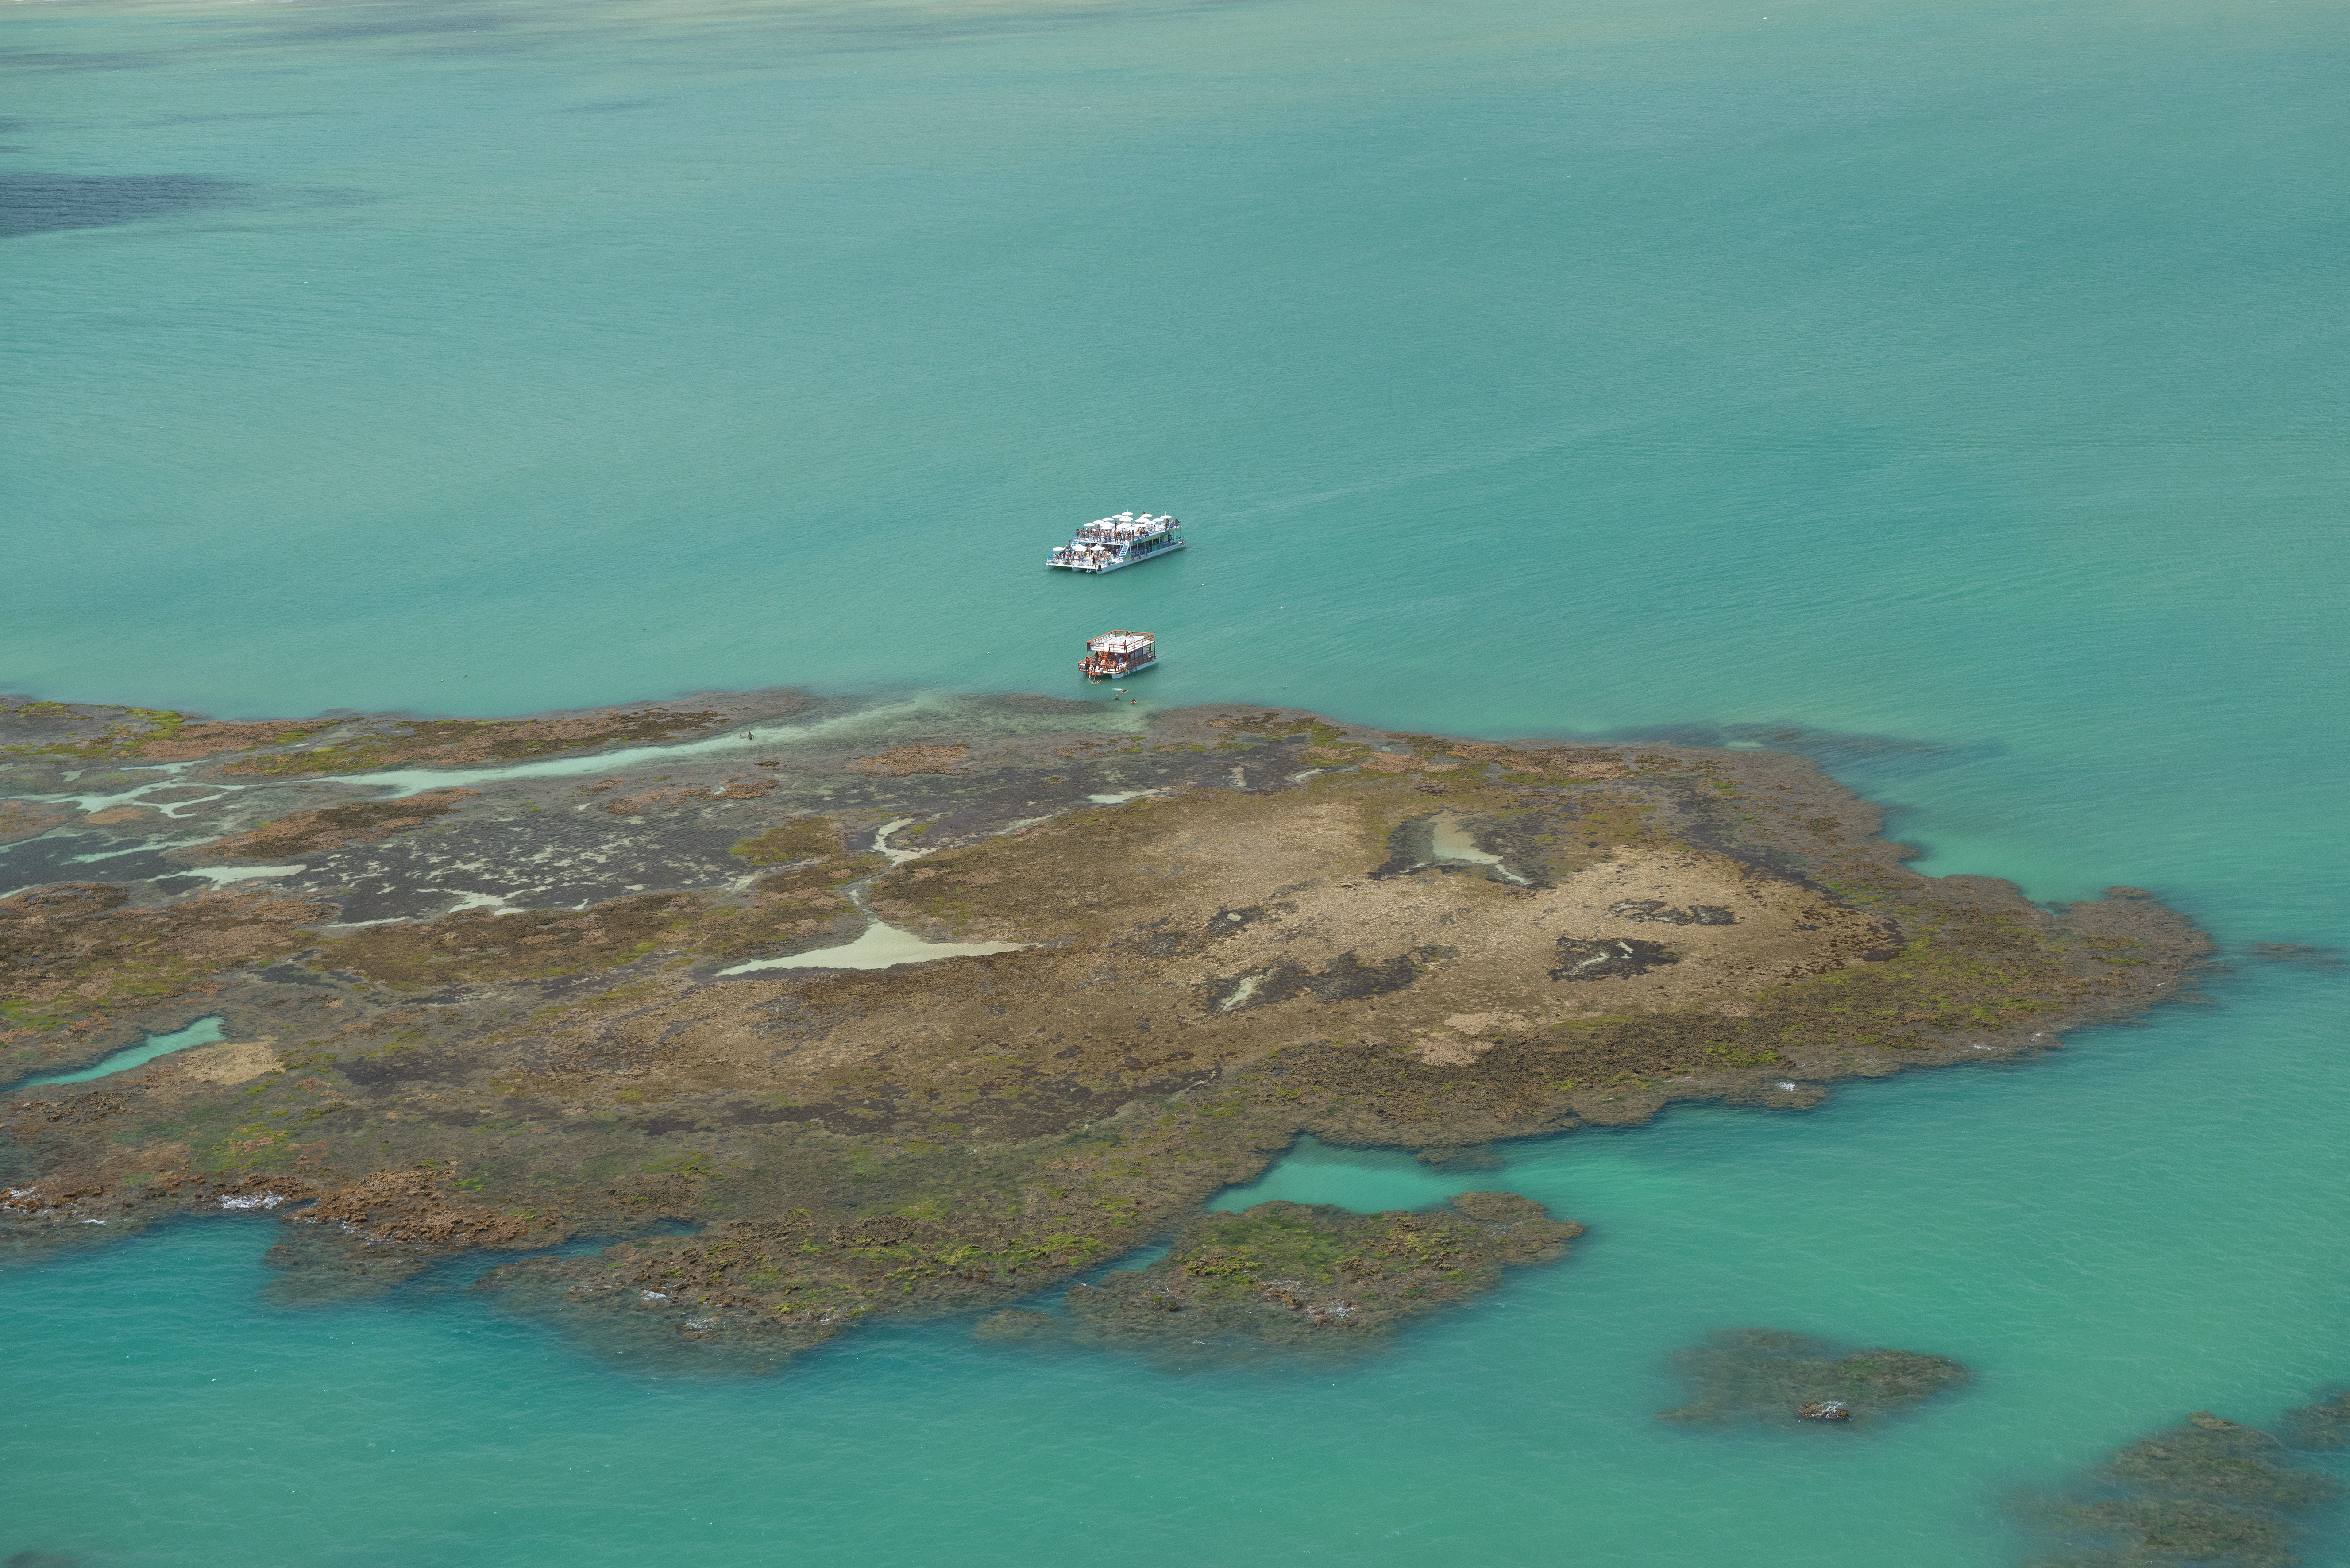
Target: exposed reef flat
{"points": [[487, 1002], [1770, 1375]]}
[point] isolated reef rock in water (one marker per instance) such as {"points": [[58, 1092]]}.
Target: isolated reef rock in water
{"points": [[918, 1009], [1293, 1276], [1769, 1374], [2206, 1491]]}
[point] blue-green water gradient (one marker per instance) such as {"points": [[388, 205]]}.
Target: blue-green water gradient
{"points": [[1968, 375]]}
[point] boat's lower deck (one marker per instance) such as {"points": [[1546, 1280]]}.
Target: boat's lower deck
{"points": [[1108, 563]]}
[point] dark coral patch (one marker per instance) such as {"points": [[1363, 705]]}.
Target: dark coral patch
{"points": [[1610, 957]]}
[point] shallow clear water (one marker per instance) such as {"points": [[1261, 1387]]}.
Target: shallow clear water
{"points": [[1969, 378]]}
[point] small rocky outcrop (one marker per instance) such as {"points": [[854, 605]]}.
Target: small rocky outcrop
{"points": [[1770, 1375]]}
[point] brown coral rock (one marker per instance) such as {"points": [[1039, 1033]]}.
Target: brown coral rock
{"points": [[30, 819], [331, 827]]}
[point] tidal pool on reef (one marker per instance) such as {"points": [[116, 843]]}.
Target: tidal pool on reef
{"points": [[202, 1032], [1448, 840], [879, 946]]}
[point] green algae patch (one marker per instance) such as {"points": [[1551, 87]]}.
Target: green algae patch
{"points": [[1294, 1276], [801, 838], [1772, 1376]]}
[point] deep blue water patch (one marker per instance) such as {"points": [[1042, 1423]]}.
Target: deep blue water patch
{"points": [[34, 203]]}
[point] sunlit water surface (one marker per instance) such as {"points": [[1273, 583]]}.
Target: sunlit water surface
{"points": [[1970, 377]]}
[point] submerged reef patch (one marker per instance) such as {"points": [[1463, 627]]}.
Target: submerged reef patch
{"points": [[2324, 1423], [2206, 1491], [1771, 1374], [40, 201], [2299, 953]]}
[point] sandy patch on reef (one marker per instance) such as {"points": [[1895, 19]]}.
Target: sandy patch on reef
{"points": [[235, 1061], [1506, 942], [1270, 930]]}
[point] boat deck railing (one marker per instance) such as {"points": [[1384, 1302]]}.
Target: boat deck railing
{"points": [[1106, 555]]}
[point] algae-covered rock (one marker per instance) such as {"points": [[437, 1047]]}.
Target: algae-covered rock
{"points": [[1299, 1276], [2206, 1491], [1767, 1373]]}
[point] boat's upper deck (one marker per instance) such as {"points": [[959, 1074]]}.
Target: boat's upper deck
{"points": [[1121, 529], [1126, 643], [1108, 542]]}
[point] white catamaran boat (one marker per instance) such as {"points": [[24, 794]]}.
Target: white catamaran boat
{"points": [[1119, 653], [1109, 543]]}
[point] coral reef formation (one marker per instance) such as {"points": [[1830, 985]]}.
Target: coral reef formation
{"points": [[501, 1015]]}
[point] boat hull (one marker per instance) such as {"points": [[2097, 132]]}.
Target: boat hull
{"points": [[1113, 565], [1121, 675]]}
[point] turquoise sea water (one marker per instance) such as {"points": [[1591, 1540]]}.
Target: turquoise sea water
{"points": [[1966, 378]]}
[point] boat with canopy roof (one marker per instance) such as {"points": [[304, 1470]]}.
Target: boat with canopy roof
{"points": [[1117, 653], [1106, 543]]}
